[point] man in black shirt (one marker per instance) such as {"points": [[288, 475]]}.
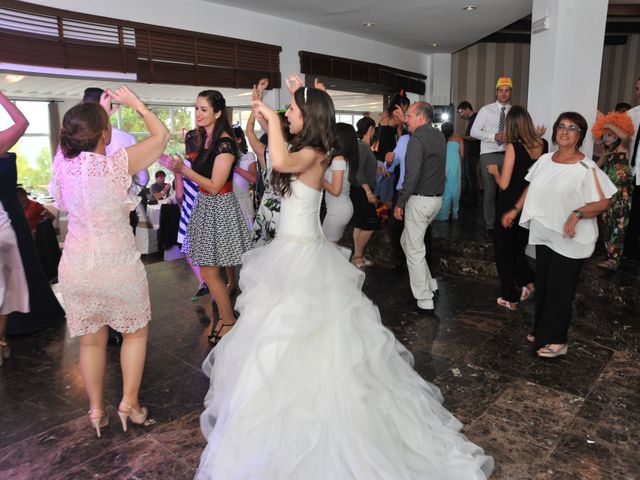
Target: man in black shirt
{"points": [[471, 155]]}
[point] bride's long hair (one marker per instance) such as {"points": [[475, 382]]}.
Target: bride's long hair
{"points": [[318, 130]]}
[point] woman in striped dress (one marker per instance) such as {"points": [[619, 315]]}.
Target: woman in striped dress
{"points": [[186, 192]]}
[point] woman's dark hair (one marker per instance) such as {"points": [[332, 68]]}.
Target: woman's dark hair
{"points": [[363, 126], [399, 99], [238, 134], [82, 127], [623, 107], [573, 117], [447, 129], [318, 129], [347, 146], [218, 103]]}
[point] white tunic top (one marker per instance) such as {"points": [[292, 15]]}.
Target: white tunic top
{"points": [[240, 184], [555, 191]]}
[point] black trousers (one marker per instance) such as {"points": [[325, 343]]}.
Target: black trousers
{"points": [[511, 261], [556, 283], [632, 236]]}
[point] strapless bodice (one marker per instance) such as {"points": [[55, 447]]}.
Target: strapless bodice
{"points": [[300, 213]]}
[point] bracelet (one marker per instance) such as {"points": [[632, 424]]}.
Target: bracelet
{"points": [[579, 214]]}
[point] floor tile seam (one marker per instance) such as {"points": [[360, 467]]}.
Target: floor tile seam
{"points": [[496, 421], [105, 452], [175, 356], [74, 410], [174, 455], [80, 465]]}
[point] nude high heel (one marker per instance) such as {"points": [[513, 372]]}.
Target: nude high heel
{"points": [[5, 351], [98, 419], [126, 412]]}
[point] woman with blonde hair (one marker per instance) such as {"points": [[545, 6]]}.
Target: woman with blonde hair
{"points": [[524, 147]]}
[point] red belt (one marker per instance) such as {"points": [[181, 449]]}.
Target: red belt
{"points": [[226, 188]]}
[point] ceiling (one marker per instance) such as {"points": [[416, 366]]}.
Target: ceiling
{"points": [[411, 24], [34, 87]]}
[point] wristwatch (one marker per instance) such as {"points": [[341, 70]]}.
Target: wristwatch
{"points": [[579, 214]]}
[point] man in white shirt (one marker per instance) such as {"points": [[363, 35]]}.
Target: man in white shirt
{"points": [[489, 129], [632, 236]]}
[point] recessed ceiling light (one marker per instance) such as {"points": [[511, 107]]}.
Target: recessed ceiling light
{"points": [[368, 24], [469, 8], [434, 44]]}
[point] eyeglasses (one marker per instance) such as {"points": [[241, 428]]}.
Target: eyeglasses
{"points": [[571, 128]]}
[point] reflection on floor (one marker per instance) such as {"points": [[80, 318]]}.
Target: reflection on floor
{"points": [[576, 417]]}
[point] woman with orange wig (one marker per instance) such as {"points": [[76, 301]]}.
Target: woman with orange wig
{"points": [[614, 130]]}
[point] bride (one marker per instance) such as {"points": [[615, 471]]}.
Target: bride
{"points": [[309, 385]]}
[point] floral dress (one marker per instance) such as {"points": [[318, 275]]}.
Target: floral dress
{"points": [[268, 214], [616, 216]]}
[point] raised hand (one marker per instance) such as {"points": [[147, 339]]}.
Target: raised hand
{"points": [[259, 88], [319, 85], [541, 130], [106, 100], [398, 114], [125, 96], [294, 82], [262, 111]]}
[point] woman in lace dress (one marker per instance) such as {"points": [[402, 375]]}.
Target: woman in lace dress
{"points": [[102, 279]]}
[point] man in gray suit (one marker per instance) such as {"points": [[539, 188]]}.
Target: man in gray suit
{"points": [[421, 197]]}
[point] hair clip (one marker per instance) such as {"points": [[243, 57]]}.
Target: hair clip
{"points": [[235, 125], [305, 94]]}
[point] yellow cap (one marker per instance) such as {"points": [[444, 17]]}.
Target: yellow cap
{"points": [[504, 82]]}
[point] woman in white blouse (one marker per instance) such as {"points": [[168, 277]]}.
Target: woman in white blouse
{"points": [[336, 182], [567, 192]]}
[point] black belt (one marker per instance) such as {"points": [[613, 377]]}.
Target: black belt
{"points": [[427, 195]]}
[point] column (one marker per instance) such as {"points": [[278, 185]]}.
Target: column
{"points": [[565, 62]]}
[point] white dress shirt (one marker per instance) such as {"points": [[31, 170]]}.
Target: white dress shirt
{"points": [[486, 126], [634, 113]]}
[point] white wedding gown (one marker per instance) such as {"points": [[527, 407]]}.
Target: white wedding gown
{"points": [[309, 385]]}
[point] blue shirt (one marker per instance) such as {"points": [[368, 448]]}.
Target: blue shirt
{"points": [[399, 153]]}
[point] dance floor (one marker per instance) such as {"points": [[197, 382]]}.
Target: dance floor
{"points": [[576, 417]]}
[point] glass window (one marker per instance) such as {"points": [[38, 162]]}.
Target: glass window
{"points": [[33, 150]]}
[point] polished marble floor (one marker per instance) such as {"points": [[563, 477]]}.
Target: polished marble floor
{"points": [[576, 417]]}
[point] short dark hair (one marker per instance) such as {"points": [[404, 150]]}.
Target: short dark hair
{"points": [[463, 105], [92, 95], [447, 129], [160, 173], [622, 107], [363, 125], [573, 117]]}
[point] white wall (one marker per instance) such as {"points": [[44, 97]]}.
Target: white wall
{"points": [[207, 17], [439, 85]]}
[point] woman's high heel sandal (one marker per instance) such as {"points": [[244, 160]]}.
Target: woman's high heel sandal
{"points": [[126, 412], [5, 351], [98, 419]]}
